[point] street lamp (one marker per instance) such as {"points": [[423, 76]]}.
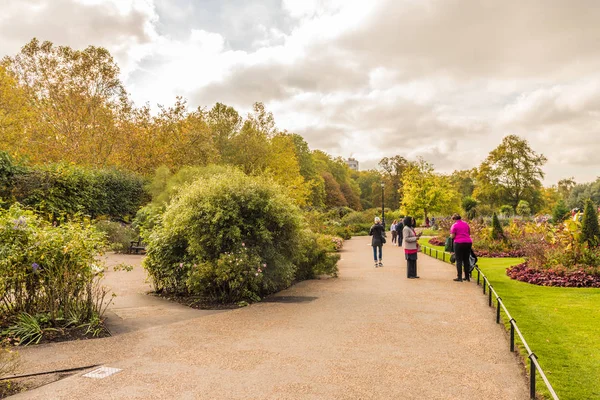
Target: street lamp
{"points": [[382, 203]]}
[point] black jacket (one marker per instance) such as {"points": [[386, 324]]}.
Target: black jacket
{"points": [[399, 227], [377, 231]]}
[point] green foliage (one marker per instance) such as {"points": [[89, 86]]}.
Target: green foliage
{"points": [[510, 173], [560, 212], [317, 257], [507, 210], [119, 235], [427, 193], [62, 189], [48, 268], [579, 193], [216, 222], [523, 208], [497, 232], [590, 232], [469, 204]]}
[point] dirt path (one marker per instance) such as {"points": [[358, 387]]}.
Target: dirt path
{"points": [[370, 334]]}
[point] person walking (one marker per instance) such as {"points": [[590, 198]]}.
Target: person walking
{"points": [[378, 233], [411, 246], [399, 228], [393, 230], [461, 233]]}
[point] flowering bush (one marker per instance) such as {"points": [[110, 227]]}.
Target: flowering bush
{"points": [[48, 271]]}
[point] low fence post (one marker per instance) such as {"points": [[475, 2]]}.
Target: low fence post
{"points": [[498, 300], [532, 377], [478, 273], [512, 335], [490, 295]]}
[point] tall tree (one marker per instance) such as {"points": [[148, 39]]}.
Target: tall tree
{"points": [[512, 172], [224, 122], [393, 168], [427, 193], [78, 99]]}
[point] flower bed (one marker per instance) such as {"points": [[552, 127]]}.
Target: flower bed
{"points": [[436, 242], [500, 254], [554, 277]]}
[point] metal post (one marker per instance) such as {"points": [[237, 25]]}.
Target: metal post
{"points": [[382, 205], [436, 254], [484, 286], [444, 256], [478, 273], [532, 377], [512, 335], [490, 295], [498, 310]]}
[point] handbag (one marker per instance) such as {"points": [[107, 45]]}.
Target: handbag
{"points": [[452, 258], [449, 245], [383, 237]]}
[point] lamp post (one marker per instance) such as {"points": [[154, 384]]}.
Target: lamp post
{"points": [[382, 205]]}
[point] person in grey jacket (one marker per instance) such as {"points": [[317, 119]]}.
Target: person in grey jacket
{"points": [[378, 233], [411, 246]]}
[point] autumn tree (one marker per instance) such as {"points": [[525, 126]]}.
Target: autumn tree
{"points": [[78, 99], [369, 183], [512, 172], [426, 192]]}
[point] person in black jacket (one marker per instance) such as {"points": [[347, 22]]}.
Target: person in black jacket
{"points": [[378, 233], [399, 228]]}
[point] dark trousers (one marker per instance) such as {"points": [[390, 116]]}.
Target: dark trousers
{"points": [[400, 237], [411, 265], [462, 252], [394, 236]]}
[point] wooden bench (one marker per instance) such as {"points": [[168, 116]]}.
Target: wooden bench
{"points": [[137, 246]]}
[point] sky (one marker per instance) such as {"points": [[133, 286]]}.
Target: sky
{"points": [[445, 80]]}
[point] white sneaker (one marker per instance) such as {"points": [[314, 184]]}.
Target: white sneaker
{"points": [[380, 264]]}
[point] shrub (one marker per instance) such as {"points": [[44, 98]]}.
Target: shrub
{"points": [[523, 208], [118, 234], [217, 222], [316, 257], [590, 232], [61, 189], [48, 270], [507, 210], [560, 212], [469, 204], [497, 232]]}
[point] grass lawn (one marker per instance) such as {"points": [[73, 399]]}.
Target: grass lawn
{"points": [[561, 326]]}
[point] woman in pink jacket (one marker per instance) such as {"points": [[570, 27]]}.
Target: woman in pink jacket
{"points": [[461, 233]]}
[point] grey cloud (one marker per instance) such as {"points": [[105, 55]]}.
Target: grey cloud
{"points": [[466, 38]]}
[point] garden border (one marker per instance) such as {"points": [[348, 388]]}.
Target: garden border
{"points": [[534, 365]]}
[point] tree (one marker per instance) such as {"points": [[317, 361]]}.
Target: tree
{"points": [[507, 210], [497, 232], [370, 190], [560, 212], [464, 181], [333, 193], [590, 232], [224, 122], [583, 191], [78, 100], [393, 168], [426, 192], [511, 173], [565, 186]]}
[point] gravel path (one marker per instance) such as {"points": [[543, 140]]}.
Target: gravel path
{"points": [[370, 334]]}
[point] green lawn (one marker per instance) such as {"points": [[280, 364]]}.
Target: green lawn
{"points": [[561, 326]]}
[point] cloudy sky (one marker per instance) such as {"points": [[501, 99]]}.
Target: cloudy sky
{"points": [[441, 79]]}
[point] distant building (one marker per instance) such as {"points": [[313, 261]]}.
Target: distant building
{"points": [[352, 163]]}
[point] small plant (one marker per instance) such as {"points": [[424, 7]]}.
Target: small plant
{"points": [[26, 330], [523, 208]]}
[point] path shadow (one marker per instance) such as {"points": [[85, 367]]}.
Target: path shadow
{"points": [[289, 299]]}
